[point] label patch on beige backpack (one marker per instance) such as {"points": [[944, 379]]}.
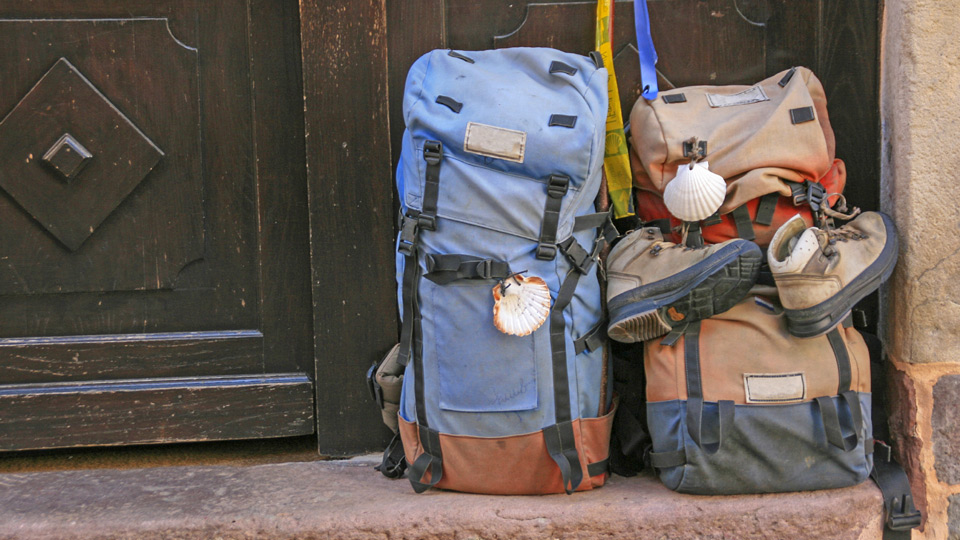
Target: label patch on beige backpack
{"points": [[775, 387], [495, 142], [754, 94]]}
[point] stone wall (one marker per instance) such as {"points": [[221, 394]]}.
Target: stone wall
{"points": [[920, 114]]}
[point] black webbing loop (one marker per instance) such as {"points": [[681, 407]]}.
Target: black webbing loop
{"points": [[432, 154], [393, 464], [832, 425], [597, 468], [556, 189], [673, 336], [597, 59], [443, 269], [562, 120], [431, 460], [562, 447], [720, 424], [694, 235], [665, 460], [559, 67], [559, 437], [457, 55], [765, 208], [786, 78], [741, 218], [450, 103], [593, 339], [902, 515], [558, 346], [695, 417], [843, 360], [408, 290]]}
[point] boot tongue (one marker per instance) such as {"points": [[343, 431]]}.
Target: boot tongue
{"points": [[823, 238], [800, 248]]}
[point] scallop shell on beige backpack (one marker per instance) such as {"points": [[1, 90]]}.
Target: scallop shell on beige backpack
{"points": [[521, 305], [694, 194]]}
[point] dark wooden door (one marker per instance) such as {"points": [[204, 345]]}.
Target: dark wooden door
{"points": [[154, 268], [356, 56]]}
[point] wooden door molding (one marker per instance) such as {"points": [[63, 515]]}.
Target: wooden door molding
{"points": [[154, 274]]}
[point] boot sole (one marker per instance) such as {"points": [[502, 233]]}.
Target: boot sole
{"points": [[819, 319], [700, 292]]}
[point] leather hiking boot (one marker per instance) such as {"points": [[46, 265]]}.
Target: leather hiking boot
{"points": [[821, 274], [654, 286]]}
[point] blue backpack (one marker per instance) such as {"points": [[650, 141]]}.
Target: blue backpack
{"points": [[501, 162]]}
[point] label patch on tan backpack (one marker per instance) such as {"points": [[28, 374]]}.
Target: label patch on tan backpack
{"points": [[754, 94], [495, 142], [775, 387]]}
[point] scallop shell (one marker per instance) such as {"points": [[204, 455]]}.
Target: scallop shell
{"points": [[521, 305], [694, 194]]}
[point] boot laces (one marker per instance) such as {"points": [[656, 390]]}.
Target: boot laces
{"points": [[833, 234]]}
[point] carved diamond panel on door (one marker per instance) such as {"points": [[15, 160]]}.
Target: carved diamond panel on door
{"points": [[64, 101], [154, 263], [100, 162]]}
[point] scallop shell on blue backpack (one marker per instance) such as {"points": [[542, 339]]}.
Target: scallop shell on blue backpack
{"points": [[521, 305]]}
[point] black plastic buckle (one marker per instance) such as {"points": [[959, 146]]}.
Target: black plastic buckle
{"points": [[546, 252], [376, 391], [816, 195], [408, 235], [558, 186], [432, 152], [903, 514], [578, 257], [427, 222], [485, 269]]}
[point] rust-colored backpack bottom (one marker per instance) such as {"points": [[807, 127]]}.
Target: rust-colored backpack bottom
{"points": [[516, 465]]}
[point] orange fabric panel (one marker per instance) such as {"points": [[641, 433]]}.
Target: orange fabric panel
{"points": [[750, 339], [515, 465], [650, 206]]}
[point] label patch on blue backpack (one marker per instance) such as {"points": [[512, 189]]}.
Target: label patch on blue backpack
{"points": [[495, 142]]}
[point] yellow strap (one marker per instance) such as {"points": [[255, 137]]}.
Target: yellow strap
{"points": [[616, 162]]}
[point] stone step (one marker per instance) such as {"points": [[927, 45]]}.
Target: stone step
{"points": [[349, 500]]}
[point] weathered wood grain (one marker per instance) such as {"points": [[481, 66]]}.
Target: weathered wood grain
{"points": [[85, 358], [351, 211], [154, 411], [284, 219]]}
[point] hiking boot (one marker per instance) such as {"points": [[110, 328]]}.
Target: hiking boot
{"points": [[654, 286], [821, 274]]}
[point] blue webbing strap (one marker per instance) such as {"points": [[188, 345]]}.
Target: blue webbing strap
{"points": [[648, 54]]}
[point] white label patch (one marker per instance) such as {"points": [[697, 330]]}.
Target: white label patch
{"points": [[775, 387], [495, 142], [751, 95]]}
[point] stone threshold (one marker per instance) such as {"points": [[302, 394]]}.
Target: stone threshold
{"points": [[349, 500]]}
